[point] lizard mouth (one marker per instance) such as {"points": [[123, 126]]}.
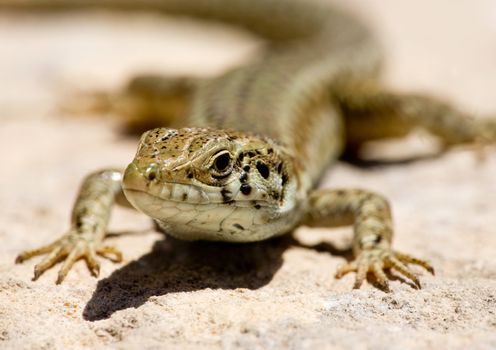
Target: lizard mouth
{"points": [[142, 192], [135, 183]]}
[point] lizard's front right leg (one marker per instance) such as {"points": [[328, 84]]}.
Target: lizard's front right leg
{"points": [[84, 239]]}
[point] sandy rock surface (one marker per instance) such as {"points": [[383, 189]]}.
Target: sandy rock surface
{"points": [[279, 294]]}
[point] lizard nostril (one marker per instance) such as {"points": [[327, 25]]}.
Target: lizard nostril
{"points": [[151, 172]]}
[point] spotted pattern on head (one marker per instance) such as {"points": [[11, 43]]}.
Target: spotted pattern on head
{"points": [[225, 164]]}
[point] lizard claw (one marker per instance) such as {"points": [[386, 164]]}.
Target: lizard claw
{"points": [[70, 248], [376, 260]]}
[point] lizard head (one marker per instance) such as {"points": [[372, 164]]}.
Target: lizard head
{"points": [[202, 183]]}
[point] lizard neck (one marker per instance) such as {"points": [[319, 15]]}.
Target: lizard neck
{"points": [[285, 95]]}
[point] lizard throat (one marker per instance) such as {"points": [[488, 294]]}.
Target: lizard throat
{"points": [[241, 221]]}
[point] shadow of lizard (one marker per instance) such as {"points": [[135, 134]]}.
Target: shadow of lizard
{"points": [[175, 266]]}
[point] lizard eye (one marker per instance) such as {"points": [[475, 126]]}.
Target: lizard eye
{"points": [[222, 163]]}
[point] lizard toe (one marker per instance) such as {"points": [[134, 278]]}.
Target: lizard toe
{"points": [[111, 253], [72, 247], [376, 261]]}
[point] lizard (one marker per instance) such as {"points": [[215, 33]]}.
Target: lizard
{"points": [[238, 157]]}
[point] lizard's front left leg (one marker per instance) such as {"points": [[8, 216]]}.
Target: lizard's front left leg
{"points": [[370, 215], [84, 239]]}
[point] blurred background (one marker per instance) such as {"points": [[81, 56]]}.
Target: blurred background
{"points": [[447, 47]]}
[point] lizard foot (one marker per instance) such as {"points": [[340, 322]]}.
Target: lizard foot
{"points": [[70, 248], [376, 260]]}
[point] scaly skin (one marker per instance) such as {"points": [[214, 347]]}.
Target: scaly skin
{"points": [[246, 150]]}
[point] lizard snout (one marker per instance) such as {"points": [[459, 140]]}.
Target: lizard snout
{"points": [[136, 180]]}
